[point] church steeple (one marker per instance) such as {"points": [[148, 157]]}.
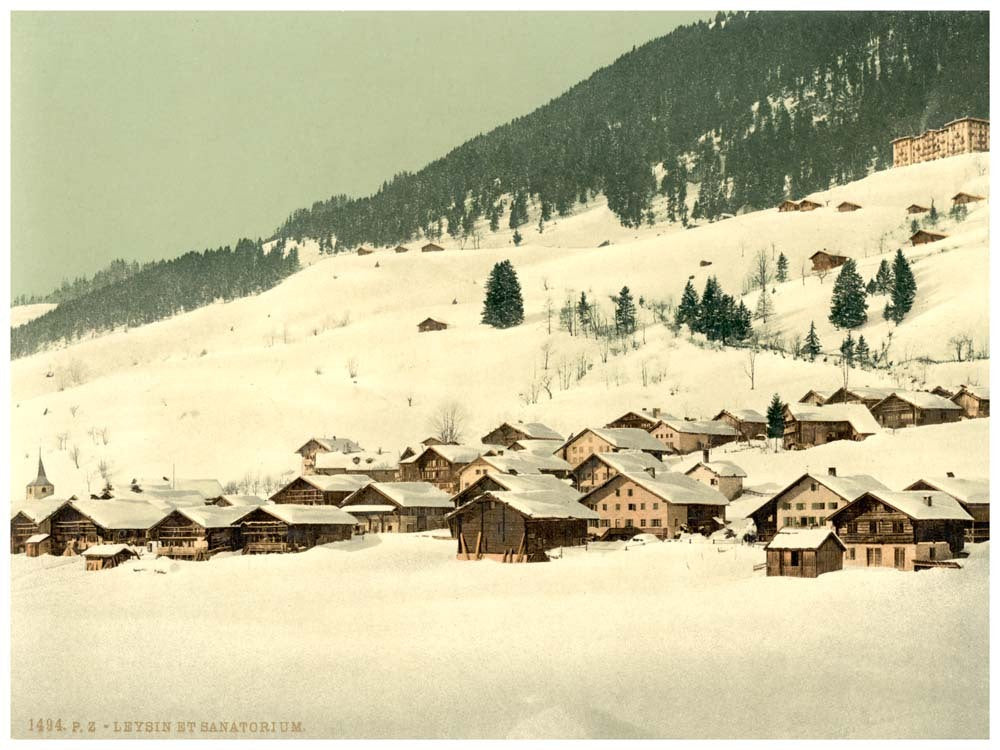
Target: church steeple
{"points": [[41, 486]]}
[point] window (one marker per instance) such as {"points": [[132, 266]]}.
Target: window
{"points": [[642, 522], [899, 557], [642, 506], [618, 506], [813, 487], [605, 523], [656, 506], [630, 492], [656, 523], [714, 481], [803, 521], [677, 522], [812, 520], [852, 528], [604, 506], [631, 506], [786, 506], [897, 527], [873, 527], [819, 506], [852, 554], [930, 552], [833, 506], [800, 506], [795, 558], [628, 523], [618, 493]]}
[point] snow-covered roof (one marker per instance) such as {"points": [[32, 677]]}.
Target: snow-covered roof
{"points": [[38, 510], [165, 497], [720, 468], [409, 494], [675, 488], [535, 445], [122, 514], [522, 462], [294, 515], [849, 487], [539, 504], [536, 483], [632, 460], [214, 517], [337, 482], [209, 489], [36, 538], [372, 508], [650, 414], [982, 392], [744, 415], [922, 400], [966, 491], [863, 392], [358, 460], [340, 445], [243, 500], [765, 489], [797, 538], [942, 507], [454, 454], [629, 437], [534, 430], [107, 550], [857, 415], [700, 427]]}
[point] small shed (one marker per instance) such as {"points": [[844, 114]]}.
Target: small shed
{"points": [[824, 261], [808, 205], [103, 556], [974, 400], [914, 208], [922, 237], [38, 544], [846, 206], [429, 324], [431, 247], [365, 251], [962, 198], [804, 553], [402, 249], [786, 206]]}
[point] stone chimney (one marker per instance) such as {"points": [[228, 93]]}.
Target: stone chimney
{"points": [[656, 411], [832, 471], [704, 455], [928, 500]]}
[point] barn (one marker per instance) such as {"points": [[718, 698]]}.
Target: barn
{"points": [[914, 409], [429, 324], [963, 198], [847, 206], [972, 494], [807, 205], [430, 247], [786, 205], [748, 422], [807, 425], [401, 507], [320, 489], [105, 556], [824, 261], [922, 237], [192, 533], [915, 208], [29, 519], [293, 528], [509, 433], [974, 400], [804, 553]]}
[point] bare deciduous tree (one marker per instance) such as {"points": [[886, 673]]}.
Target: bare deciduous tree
{"points": [[547, 349], [750, 365], [352, 367], [74, 454], [448, 422]]}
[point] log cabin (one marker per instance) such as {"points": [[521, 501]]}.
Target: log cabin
{"points": [[724, 476], [514, 463], [593, 440], [915, 208], [804, 553], [364, 251], [902, 530], [859, 395], [644, 419], [664, 506], [430, 247], [812, 498], [31, 518], [209, 489], [199, 533], [686, 436], [399, 507], [429, 324], [293, 528], [38, 544], [974, 400], [315, 445], [319, 489], [963, 198], [847, 206], [807, 425], [923, 237], [972, 494], [40, 487], [106, 556], [807, 205], [600, 467], [824, 261], [239, 501], [381, 466], [914, 409], [816, 398], [401, 249], [509, 433], [440, 465], [80, 524], [786, 205], [497, 482], [750, 424], [518, 526]]}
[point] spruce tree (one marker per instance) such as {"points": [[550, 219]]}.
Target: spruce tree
{"points": [[775, 418], [862, 352], [688, 310], [904, 289], [583, 311], [932, 215], [742, 329], [848, 307], [517, 238], [812, 345], [708, 309], [883, 278], [782, 267], [872, 287], [847, 349], [503, 306], [624, 313]]}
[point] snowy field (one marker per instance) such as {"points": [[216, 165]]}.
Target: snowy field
{"points": [[392, 637]]}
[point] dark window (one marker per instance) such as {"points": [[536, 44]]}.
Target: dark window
{"points": [[795, 557], [897, 527], [873, 527], [852, 528]]}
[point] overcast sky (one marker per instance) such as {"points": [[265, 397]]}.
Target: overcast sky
{"points": [[147, 135]]}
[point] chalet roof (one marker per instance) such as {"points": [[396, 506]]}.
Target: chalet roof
{"points": [[522, 462], [537, 504], [913, 503], [335, 482], [765, 489], [372, 509], [122, 514], [922, 400], [295, 515], [848, 203], [917, 206], [40, 480], [678, 489], [425, 321], [214, 517], [796, 538], [857, 415], [536, 482], [849, 487], [973, 196], [631, 461], [651, 414], [700, 427], [534, 445], [744, 415], [357, 460], [164, 497], [409, 494], [982, 392], [402, 249], [826, 253], [108, 550], [628, 437], [431, 246], [38, 510], [925, 233], [966, 491], [720, 468], [243, 500], [538, 431], [341, 445], [807, 202], [36, 538], [866, 393], [454, 454]]}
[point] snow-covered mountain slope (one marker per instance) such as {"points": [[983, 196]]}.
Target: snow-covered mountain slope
{"points": [[233, 388]]}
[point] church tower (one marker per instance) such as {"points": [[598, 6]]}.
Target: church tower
{"points": [[40, 487]]}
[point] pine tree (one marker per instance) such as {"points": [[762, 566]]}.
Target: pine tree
{"points": [[775, 418], [883, 278], [862, 352], [688, 310], [708, 309], [871, 287], [812, 345], [742, 330], [932, 215], [848, 307], [583, 312], [765, 308], [914, 226], [624, 313], [782, 267], [503, 306], [904, 289], [847, 349], [517, 238]]}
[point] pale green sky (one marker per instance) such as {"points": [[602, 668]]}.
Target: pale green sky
{"points": [[146, 135]]}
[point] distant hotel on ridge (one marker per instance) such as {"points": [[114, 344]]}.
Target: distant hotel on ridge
{"points": [[962, 136]]}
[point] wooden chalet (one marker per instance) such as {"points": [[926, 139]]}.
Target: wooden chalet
{"points": [[963, 198], [852, 395], [816, 398], [807, 205], [593, 440], [598, 468], [431, 247], [314, 446], [439, 465], [293, 528], [514, 462], [398, 507], [686, 436], [922, 237], [320, 489], [804, 553], [199, 533], [824, 261], [665, 505], [365, 251], [38, 544], [381, 466], [807, 425], [239, 501], [105, 556], [846, 206], [518, 526], [80, 524], [974, 400], [786, 205], [179, 490], [902, 530], [750, 424], [30, 519], [401, 249], [509, 433], [914, 409], [429, 324], [915, 208], [644, 419], [944, 391], [972, 494], [724, 476], [812, 498], [498, 482]]}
